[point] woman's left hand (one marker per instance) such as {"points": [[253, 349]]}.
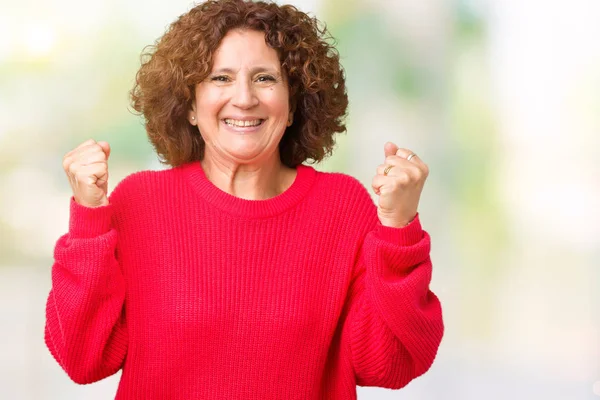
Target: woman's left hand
{"points": [[399, 182]]}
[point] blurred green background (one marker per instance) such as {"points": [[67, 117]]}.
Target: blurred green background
{"points": [[501, 99]]}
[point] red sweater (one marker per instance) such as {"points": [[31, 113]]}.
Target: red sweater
{"points": [[197, 294]]}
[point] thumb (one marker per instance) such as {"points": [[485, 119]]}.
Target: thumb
{"points": [[105, 148], [390, 149]]}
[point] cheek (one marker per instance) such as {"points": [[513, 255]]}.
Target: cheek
{"points": [[209, 102], [277, 100]]}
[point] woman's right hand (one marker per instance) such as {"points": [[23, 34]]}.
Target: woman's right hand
{"points": [[86, 167]]}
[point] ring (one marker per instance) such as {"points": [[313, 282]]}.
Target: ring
{"points": [[387, 169], [410, 156]]}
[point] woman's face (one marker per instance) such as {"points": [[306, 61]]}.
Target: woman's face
{"points": [[242, 108]]}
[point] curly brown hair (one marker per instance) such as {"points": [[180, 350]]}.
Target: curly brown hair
{"points": [[182, 57]]}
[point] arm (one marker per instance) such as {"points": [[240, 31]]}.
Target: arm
{"points": [[394, 326], [85, 322]]}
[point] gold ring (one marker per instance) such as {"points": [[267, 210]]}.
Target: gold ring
{"points": [[410, 156], [387, 169]]}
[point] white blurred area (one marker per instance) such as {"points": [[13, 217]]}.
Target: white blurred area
{"points": [[508, 122], [545, 64], [546, 77]]}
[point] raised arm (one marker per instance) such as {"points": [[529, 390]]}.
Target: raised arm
{"points": [[395, 322], [85, 322], [394, 325]]}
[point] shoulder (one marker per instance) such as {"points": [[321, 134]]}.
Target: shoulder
{"points": [[139, 184], [343, 185], [348, 195]]}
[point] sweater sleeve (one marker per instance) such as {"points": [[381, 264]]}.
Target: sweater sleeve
{"points": [[85, 327], [395, 322]]}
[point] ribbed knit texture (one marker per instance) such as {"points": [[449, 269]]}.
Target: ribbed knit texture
{"points": [[197, 294]]}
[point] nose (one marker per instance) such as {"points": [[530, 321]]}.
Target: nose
{"points": [[244, 96]]}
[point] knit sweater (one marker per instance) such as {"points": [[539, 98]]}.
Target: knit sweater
{"points": [[198, 294]]}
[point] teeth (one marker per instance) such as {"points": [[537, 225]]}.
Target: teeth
{"points": [[235, 122]]}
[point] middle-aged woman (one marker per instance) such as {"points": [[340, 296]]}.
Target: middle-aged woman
{"points": [[241, 272]]}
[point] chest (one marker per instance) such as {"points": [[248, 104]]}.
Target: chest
{"points": [[199, 280]]}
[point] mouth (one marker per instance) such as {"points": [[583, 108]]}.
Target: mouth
{"points": [[236, 123]]}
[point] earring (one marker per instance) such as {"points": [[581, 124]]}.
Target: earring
{"points": [[193, 117]]}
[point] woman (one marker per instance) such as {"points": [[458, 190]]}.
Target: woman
{"points": [[240, 273]]}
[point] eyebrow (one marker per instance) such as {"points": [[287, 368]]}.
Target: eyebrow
{"points": [[253, 71]]}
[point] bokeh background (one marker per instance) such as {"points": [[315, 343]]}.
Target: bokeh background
{"points": [[501, 98]]}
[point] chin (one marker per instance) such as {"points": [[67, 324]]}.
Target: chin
{"points": [[246, 154]]}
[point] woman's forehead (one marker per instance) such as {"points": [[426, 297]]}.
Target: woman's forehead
{"points": [[245, 48]]}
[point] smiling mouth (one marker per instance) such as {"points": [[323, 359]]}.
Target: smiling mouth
{"points": [[243, 124]]}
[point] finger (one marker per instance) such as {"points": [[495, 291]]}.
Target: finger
{"points": [[67, 161], [376, 184], [80, 172], [398, 166], [91, 174], [93, 150], [93, 158], [381, 169], [402, 175], [389, 149], [79, 147], [102, 180], [415, 160], [86, 143], [380, 181], [78, 158], [392, 168], [105, 148], [395, 160], [404, 153], [400, 163], [82, 148]]}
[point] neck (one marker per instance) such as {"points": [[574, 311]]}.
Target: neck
{"points": [[249, 181]]}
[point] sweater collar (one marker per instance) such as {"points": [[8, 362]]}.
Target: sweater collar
{"points": [[302, 184]]}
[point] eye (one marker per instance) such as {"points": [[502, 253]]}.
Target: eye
{"points": [[220, 78], [266, 78]]}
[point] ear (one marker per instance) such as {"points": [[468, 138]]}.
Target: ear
{"points": [[291, 112], [192, 118]]}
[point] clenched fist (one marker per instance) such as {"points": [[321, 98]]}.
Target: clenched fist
{"points": [[86, 167], [399, 182]]}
